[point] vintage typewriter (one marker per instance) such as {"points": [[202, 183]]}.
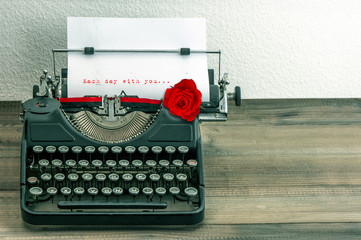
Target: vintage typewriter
{"points": [[112, 160]]}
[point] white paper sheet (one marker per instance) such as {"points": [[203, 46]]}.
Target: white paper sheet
{"points": [[146, 75]]}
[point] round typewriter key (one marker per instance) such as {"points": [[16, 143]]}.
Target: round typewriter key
{"points": [[97, 163], [151, 163], [161, 192], [89, 149], [36, 192], [192, 163], [178, 163], [93, 192], [117, 191], [100, 177], [154, 177], [140, 178], [164, 163], [113, 177], [76, 149], [83, 163], [174, 191], [111, 163], [181, 177], [183, 149], [45, 177], [143, 149], [38, 149], [106, 191], [130, 149], [191, 191], [43, 163], [103, 149], [73, 177], [70, 163], [56, 163], [124, 163], [156, 149], [50, 149], [66, 192], [170, 149], [168, 177], [32, 180], [87, 177], [134, 191], [79, 191], [52, 191], [59, 177], [147, 191], [116, 149], [63, 149], [137, 163], [127, 177]]}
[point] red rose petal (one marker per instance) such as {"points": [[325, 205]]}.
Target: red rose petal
{"points": [[183, 100]]}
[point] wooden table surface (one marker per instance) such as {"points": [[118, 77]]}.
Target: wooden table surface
{"points": [[277, 169]]}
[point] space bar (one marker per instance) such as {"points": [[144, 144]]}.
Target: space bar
{"points": [[110, 205]]}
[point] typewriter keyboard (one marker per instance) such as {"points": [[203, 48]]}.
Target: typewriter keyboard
{"points": [[111, 178]]}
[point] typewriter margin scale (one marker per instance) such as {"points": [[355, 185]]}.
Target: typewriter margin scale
{"points": [[45, 113]]}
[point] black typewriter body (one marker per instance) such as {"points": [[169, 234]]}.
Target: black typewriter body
{"points": [[69, 178], [99, 160]]}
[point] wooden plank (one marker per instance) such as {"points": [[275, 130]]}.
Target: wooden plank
{"points": [[285, 168], [13, 227]]}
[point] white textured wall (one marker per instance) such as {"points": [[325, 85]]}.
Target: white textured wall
{"points": [[271, 48]]}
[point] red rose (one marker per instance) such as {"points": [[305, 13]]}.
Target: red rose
{"points": [[183, 99]]}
